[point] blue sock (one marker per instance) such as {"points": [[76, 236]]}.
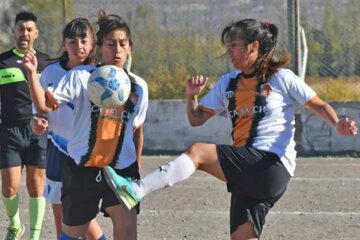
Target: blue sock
{"points": [[63, 236], [102, 237]]}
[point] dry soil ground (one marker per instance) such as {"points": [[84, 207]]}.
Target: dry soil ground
{"points": [[322, 202]]}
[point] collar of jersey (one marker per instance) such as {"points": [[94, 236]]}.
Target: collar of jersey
{"points": [[16, 52]]}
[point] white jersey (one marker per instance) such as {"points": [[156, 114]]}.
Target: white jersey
{"points": [[262, 114], [98, 137], [59, 131]]}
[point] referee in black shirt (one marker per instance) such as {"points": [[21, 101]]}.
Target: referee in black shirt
{"points": [[19, 145]]}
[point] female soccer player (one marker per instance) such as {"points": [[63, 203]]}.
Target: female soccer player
{"points": [[96, 140], [259, 98], [78, 48]]}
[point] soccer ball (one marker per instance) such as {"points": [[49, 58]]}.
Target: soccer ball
{"points": [[109, 86]]}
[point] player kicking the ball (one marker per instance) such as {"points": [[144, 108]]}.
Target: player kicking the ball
{"points": [[78, 49], [101, 137], [259, 98]]}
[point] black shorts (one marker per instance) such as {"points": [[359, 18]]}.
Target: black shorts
{"points": [[55, 162], [84, 187], [256, 179], [20, 146]]}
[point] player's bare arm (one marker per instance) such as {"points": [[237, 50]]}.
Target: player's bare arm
{"points": [[139, 142], [327, 113], [42, 103], [194, 86]]}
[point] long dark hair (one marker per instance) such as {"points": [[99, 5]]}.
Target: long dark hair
{"points": [[78, 27], [250, 30]]}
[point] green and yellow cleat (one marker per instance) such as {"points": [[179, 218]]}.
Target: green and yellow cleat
{"points": [[15, 233], [122, 187]]}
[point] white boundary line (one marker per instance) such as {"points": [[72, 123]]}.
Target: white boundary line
{"points": [[355, 179], [271, 212], [316, 213], [324, 179], [328, 165]]}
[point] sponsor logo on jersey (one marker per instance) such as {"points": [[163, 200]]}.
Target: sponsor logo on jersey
{"points": [[114, 114], [265, 89], [229, 94], [245, 112]]}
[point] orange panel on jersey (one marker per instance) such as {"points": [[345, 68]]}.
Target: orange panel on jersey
{"points": [[245, 98], [208, 110], [107, 138]]}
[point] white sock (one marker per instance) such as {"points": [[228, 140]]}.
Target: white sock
{"points": [[166, 175]]}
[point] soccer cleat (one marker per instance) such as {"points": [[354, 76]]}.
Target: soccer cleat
{"points": [[122, 187], [15, 233]]}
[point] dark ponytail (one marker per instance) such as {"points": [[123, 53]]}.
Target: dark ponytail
{"points": [[250, 30], [266, 63]]}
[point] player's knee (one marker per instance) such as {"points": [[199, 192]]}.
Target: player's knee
{"points": [[9, 191], [199, 153], [194, 151]]}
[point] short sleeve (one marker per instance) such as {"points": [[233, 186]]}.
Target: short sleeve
{"points": [[215, 101], [141, 89], [69, 88], [297, 89]]}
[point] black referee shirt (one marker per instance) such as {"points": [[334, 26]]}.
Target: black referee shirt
{"points": [[16, 105]]}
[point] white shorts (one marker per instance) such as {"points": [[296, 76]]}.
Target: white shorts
{"points": [[52, 191]]}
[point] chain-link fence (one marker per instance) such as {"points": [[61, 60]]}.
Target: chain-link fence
{"points": [[334, 38], [176, 39]]}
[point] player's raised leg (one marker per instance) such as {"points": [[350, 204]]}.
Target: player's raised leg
{"points": [[200, 156]]}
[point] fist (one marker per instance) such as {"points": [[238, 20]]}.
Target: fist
{"points": [[38, 124]]}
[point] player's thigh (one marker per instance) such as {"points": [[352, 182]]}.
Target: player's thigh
{"points": [[12, 144], [244, 232], [124, 221], [10, 157], [10, 180], [206, 159]]}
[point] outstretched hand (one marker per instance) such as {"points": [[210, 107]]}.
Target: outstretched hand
{"points": [[30, 62], [346, 127], [195, 85]]}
